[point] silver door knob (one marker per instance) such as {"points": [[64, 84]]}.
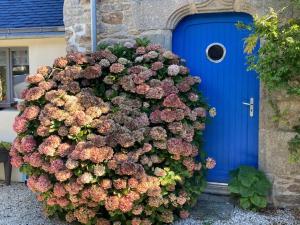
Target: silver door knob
{"points": [[251, 106]]}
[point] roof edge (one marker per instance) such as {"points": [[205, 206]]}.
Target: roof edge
{"points": [[32, 29], [32, 32]]}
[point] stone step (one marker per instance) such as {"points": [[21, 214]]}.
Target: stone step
{"points": [[211, 207]]}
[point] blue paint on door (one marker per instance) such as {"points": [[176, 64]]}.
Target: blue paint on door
{"points": [[231, 137]]}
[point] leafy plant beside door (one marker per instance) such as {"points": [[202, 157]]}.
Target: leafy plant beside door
{"points": [[250, 187], [277, 61]]}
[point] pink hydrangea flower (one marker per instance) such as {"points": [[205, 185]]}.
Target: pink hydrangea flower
{"points": [[35, 159], [173, 101], [56, 165], [116, 68], [142, 89], [20, 124], [210, 163], [168, 115], [112, 203], [86, 178], [63, 175], [155, 93], [34, 78], [31, 112], [177, 146], [184, 214], [43, 184], [92, 72], [59, 190], [157, 66], [60, 62], [16, 161], [28, 144], [141, 50], [34, 93]]}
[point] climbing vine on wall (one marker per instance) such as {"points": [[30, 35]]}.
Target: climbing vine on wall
{"points": [[277, 60]]}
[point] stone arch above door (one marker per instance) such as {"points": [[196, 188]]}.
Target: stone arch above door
{"points": [[251, 7]]}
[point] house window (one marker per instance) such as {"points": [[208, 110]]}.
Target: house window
{"points": [[14, 67]]}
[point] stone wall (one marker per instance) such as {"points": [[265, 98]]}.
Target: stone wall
{"points": [[77, 20], [278, 114], [124, 20]]}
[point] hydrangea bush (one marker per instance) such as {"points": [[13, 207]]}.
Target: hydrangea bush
{"points": [[113, 137]]}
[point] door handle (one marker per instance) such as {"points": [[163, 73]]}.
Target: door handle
{"points": [[251, 106]]}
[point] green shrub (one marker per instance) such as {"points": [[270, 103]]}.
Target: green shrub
{"points": [[250, 186], [277, 60], [113, 137]]}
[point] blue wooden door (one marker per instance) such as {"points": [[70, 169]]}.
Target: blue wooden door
{"points": [[213, 49]]}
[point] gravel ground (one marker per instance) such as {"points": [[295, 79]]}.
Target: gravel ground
{"points": [[240, 217], [18, 206]]}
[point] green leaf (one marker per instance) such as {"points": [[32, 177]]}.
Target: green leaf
{"points": [[250, 43], [247, 179], [262, 187], [234, 173], [247, 175], [245, 203], [246, 191], [5, 145], [234, 186], [259, 201]]}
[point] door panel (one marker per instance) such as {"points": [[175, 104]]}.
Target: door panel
{"points": [[231, 136]]}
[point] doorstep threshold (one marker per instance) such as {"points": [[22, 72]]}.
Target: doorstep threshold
{"points": [[217, 188]]}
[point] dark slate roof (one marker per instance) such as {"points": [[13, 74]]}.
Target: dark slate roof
{"points": [[31, 13]]}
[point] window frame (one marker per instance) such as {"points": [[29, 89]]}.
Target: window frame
{"points": [[220, 45], [9, 74]]}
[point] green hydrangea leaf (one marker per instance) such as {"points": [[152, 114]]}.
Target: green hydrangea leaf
{"points": [[247, 175], [234, 186], [245, 203], [246, 191], [234, 173], [247, 179], [262, 187], [259, 201]]}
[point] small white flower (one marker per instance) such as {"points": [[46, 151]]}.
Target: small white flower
{"points": [[129, 44], [86, 178], [159, 172], [212, 112], [99, 170], [104, 63], [72, 164], [173, 70], [139, 59], [123, 61], [117, 223], [168, 55], [152, 54], [146, 105], [197, 79]]}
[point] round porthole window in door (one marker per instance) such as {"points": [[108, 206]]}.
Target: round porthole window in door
{"points": [[215, 52]]}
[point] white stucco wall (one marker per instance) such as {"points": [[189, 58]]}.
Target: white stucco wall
{"points": [[41, 52]]}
